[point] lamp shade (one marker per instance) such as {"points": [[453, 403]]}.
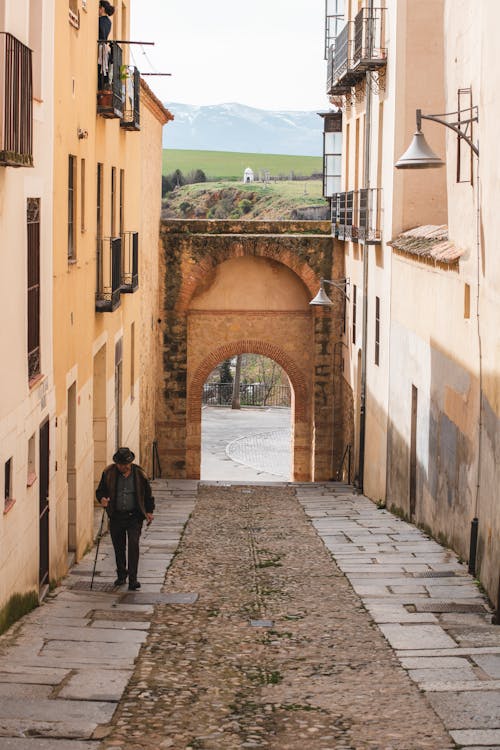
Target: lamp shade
{"points": [[322, 299], [419, 155]]}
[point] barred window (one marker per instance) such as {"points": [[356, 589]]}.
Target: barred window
{"points": [[33, 286]]}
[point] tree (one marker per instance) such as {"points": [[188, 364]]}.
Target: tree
{"points": [[226, 376], [235, 403]]}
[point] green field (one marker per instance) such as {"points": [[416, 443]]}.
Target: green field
{"points": [[227, 165]]}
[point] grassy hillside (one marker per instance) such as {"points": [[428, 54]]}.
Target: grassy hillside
{"points": [[227, 165], [255, 201]]}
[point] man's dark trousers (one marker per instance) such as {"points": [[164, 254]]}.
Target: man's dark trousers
{"points": [[126, 527]]}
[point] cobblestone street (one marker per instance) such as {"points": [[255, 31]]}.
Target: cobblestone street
{"points": [[276, 652], [291, 617]]}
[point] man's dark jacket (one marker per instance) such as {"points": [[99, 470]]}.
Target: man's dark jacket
{"points": [[107, 488]]}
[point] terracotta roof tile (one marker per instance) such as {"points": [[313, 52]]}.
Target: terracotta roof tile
{"points": [[428, 242]]}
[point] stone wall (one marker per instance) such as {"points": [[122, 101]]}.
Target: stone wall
{"points": [[200, 328]]}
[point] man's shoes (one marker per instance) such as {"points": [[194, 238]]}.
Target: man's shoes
{"points": [[133, 585], [120, 582]]}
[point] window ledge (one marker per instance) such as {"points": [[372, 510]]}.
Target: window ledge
{"points": [[35, 381], [74, 19], [30, 481], [9, 504]]}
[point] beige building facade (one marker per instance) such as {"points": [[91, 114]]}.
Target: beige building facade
{"points": [[106, 230], [422, 337], [27, 396], [80, 200]]}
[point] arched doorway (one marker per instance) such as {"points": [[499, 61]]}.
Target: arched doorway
{"points": [[246, 421], [269, 301], [241, 287], [300, 432]]}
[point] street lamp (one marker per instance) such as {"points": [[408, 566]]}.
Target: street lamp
{"points": [[419, 154], [322, 299]]}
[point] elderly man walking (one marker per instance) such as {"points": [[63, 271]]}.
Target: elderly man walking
{"points": [[125, 492]]}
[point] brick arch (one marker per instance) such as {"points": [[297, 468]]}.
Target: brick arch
{"points": [[210, 260], [300, 411]]}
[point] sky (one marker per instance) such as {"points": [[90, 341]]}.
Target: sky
{"points": [[264, 53]]}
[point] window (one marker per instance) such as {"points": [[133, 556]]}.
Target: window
{"points": [[31, 476], [99, 200], [118, 392], [121, 218], [35, 37], [71, 207], [467, 301], [33, 284], [132, 361], [354, 311], [332, 154], [113, 201], [82, 195], [8, 499], [74, 16], [377, 330]]}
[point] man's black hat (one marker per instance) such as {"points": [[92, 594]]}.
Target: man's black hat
{"points": [[123, 456]]}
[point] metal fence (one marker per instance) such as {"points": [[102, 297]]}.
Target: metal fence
{"points": [[251, 394]]}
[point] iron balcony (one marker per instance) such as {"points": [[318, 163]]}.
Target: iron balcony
{"points": [[356, 216], [356, 49], [130, 78], [109, 84], [130, 262], [16, 103], [108, 273]]}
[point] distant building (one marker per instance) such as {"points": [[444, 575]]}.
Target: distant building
{"points": [[248, 175]]}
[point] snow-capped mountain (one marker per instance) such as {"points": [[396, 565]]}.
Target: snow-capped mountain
{"points": [[235, 127]]}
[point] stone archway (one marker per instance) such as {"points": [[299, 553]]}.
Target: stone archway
{"points": [[301, 430], [209, 314]]}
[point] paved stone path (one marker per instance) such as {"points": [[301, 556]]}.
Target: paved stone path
{"points": [[276, 652], [64, 666], [292, 616], [424, 602], [268, 451]]}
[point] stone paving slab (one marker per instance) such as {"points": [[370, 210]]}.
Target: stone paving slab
{"points": [[96, 685], [454, 658], [64, 667]]}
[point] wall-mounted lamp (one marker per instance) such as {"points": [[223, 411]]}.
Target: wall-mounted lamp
{"points": [[419, 154], [322, 299], [82, 134]]}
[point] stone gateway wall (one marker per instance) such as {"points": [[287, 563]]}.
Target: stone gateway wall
{"points": [[244, 287]]}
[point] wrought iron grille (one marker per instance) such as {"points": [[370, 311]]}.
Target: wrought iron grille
{"points": [[131, 97], [368, 50], [109, 82], [251, 394], [356, 216], [341, 54], [33, 231], [16, 104], [108, 267], [130, 261]]}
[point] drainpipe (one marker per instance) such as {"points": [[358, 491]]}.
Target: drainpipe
{"points": [[364, 336]]}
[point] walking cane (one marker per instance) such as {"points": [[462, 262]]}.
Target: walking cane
{"points": [[97, 546]]}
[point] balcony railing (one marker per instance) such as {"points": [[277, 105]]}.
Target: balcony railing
{"points": [[109, 274], [356, 216], [16, 103], [109, 83], [130, 262], [356, 49], [369, 32], [131, 97]]}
